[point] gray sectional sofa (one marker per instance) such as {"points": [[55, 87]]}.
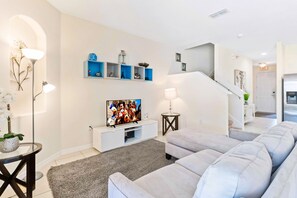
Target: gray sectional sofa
{"points": [[265, 167]]}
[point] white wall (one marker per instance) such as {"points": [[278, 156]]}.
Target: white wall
{"points": [[198, 58], [226, 61], [286, 64], [47, 125], [203, 104], [290, 59], [83, 100], [78, 102]]}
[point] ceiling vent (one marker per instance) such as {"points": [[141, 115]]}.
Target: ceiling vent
{"points": [[219, 13]]}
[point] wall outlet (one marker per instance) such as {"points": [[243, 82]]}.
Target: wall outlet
{"points": [[146, 116]]}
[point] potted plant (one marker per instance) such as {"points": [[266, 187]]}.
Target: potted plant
{"points": [[246, 98], [9, 141]]}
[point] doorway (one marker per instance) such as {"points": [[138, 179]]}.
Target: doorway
{"points": [[265, 92]]}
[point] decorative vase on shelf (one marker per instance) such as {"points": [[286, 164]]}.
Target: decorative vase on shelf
{"points": [[122, 57]]}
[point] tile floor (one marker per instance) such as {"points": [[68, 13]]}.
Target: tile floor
{"points": [[42, 187], [260, 125]]}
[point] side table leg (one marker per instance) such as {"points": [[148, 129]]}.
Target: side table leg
{"points": [[163, 125], [30, 176]]}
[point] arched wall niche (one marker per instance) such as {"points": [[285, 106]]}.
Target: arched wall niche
{"points": [[27, 30]]}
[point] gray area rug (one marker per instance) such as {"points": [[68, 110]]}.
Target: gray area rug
{"points": [[87, 178]]}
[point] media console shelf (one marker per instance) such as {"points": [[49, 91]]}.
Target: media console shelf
{"points": [[107, 138]]}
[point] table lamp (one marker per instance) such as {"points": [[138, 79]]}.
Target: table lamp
{"points": [[170, 94]]}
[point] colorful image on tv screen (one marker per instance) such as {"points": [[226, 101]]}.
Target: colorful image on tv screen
{"points": [[123, 111]]}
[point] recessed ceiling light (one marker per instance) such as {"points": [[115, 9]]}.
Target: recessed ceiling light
{"points": [[263, 53], [219, 13], [239, 35]]}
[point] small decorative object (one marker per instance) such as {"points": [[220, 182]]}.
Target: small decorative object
{"points": [[122, 56], [143, 64], [110, 74], [246, 98], [20, 68], [184, 66], [123, 75], [178, 57], [89, 72], [92, 57], [240, 79], [98, 74], [10, 141], [137, 76]]}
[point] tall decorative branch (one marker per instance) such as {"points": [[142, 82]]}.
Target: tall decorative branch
{"points": [[20, 69]]}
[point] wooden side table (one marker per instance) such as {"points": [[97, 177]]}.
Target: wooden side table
{"points": [[167, 123], [26, 155]]}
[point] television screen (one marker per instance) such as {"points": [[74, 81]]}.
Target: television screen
{"points": [[123, 111]]}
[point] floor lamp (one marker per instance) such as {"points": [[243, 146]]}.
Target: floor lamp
{"points": [[34, 55]]}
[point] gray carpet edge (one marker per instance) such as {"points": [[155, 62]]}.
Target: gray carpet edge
{"points": [[88, 177]]}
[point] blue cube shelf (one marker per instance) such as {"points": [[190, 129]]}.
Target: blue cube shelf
{"points": [[94, 69], [126, 72], [148, 74]]}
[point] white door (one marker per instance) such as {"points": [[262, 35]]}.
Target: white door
{"points": [[265, 92]]}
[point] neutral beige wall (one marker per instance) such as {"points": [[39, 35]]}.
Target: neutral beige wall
{"points": [[290, 59], [286, 64], [47, 125], [226, 61], [83, 100], [202, 103]]}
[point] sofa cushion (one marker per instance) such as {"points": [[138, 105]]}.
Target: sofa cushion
{"points": [[194, 141], [292, 126], [173, 181], [279, 144], [284, 179], [199, 162], [244, 171]]}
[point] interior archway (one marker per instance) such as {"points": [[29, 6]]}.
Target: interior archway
{"points": [[26, 31]]}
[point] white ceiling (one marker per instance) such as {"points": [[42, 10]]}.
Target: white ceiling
{"points": [[187, 22]]}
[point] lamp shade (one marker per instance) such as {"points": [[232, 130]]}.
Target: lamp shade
{"points": [[32, 54], [48, 87], [170, 93]]}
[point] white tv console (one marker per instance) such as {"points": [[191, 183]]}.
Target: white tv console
{"points": [[107, 138]]}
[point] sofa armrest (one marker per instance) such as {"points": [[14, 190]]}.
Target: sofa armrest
{"points": [[120, 186]]}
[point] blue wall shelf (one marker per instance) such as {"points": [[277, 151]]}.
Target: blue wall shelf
{"points": [[148, 74], [108, 70], [94, 69], [126, 72]]}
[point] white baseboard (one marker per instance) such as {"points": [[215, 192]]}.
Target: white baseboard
{"points": [[75, 149], [52, 158], [47, 161]]}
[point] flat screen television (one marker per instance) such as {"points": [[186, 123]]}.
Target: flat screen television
{"points": [[122, 111]]}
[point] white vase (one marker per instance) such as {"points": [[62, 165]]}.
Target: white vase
{"points": [[9, 145]]}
